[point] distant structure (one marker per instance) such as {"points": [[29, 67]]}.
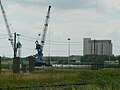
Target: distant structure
{"points": [[75, 58], [97, 47]]}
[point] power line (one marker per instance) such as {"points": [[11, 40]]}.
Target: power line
{"points": [[28, 48], [62, 44], [3, 37], [31, 49], [28, 37], [116, 46], [5, 47], [52, 42], [47, 40]]}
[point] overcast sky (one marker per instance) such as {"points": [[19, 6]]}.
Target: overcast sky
{"points": [[75, 19]]}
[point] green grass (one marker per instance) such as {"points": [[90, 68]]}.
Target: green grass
{"points": [[105, 79]]}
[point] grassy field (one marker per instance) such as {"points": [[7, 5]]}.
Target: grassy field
{"points": [[105, 79]]}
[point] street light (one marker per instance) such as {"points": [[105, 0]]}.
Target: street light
{"points": [[109, 49], [68, 49]]}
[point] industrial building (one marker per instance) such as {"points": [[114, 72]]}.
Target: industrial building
{"points": [[97, 47]]}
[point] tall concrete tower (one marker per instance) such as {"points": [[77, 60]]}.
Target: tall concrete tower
{"points": [[97, 47]]}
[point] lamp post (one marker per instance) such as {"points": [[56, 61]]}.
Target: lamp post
{"points": [[109, 49], [68, 49], [95, 53]]}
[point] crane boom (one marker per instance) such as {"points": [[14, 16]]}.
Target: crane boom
{"points": [[7, 25], [45, 27], [39, 46]]}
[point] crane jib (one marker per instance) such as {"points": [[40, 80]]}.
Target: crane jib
{"points": [[39, 55], [7, 24]]}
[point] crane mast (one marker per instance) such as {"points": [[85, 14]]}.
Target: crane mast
{"points": [[45, 28], [39, 46], [7, 25]]}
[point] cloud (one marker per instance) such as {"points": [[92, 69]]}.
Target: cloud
{"points": [[73, 4], [61, 4], [69, 18], [26, 3], [70, 4], [111, 7], [111, 4]]}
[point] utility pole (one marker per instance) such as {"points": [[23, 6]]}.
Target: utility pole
{"points": [[15, 49], [109, 50], [16, 60], [68, 50], [94, 42], [19, 45], [94, 47]]}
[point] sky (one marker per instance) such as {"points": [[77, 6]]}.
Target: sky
{"points": [[74, 19]]}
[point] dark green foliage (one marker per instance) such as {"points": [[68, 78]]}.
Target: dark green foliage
{"points": [[118, 58], [99, 59], [5, 66], [105, 79]]}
